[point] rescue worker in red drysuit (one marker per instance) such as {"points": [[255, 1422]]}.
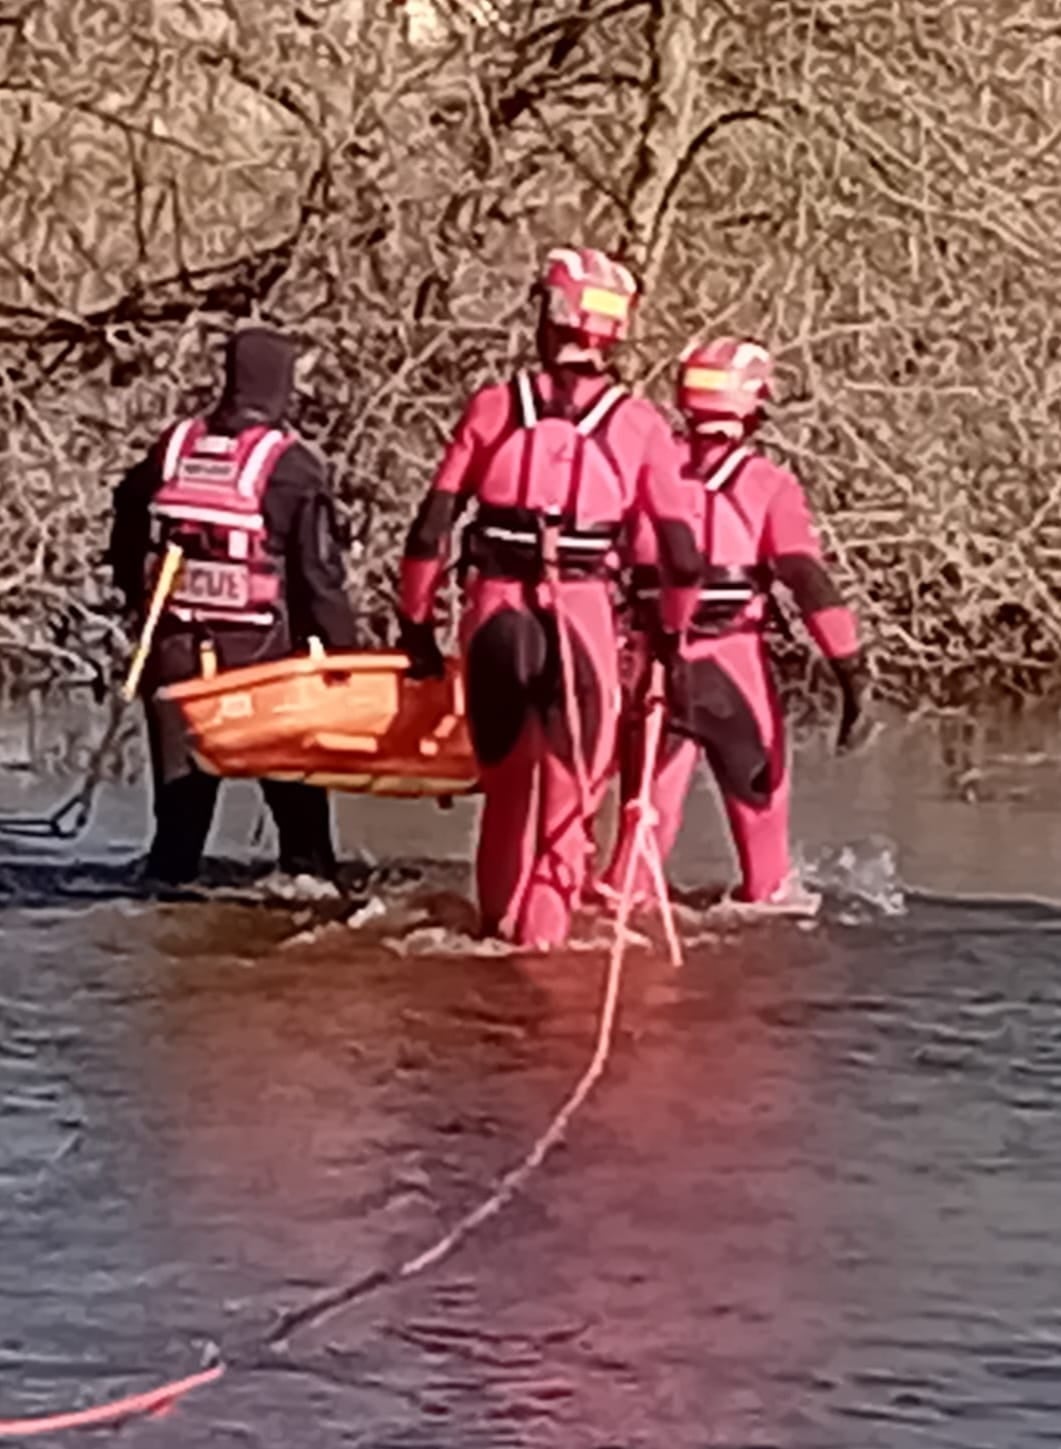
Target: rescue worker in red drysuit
{"points": [[250, 505], [562, 464], [754, 527]]}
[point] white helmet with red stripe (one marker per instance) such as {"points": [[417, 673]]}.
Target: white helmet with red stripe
{"points": [[725, 381], [589, 297]]}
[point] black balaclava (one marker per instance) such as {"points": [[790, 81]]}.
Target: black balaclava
{"points": [[259, 378]]}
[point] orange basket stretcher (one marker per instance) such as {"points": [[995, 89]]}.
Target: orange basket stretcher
{"points": [[345, 721]]}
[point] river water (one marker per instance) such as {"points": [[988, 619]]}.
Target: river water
{"points": [[813, 1203]]}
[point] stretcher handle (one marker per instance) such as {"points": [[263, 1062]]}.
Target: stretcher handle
{"points": [[340, 743], [445, 729]]}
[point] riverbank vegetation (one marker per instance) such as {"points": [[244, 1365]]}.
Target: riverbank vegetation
{"points": [[870, 186]]}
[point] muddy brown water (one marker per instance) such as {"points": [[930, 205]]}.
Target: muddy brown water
{"points": [[814, 1203]]}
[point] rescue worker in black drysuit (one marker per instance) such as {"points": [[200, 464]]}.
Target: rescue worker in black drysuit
{"points": [[255, 586]]}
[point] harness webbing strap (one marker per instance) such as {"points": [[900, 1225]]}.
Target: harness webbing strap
{"points": [[590, 542], [725, 470], [528, 411], [175, 447], [605, 404], [586, 425], [250, 478]]}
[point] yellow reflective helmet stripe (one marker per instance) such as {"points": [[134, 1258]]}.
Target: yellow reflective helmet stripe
{"points": [[604, 303], [709, 379]]}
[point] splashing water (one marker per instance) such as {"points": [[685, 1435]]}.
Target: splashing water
{"points": [[861, 876], [428, 921], [443, 941]]}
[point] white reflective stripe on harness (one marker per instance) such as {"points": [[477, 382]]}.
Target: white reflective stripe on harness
{"points": [[248, 484], [593, 419], [512, 535], [231, 616], [175, 447], [193, 513], [728, 593], [526, 400], [219, 444], [600, 410], [725, 470]]}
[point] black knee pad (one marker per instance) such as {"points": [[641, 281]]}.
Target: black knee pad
{"points": [[507, 658], [723, 722], [588, 694]]}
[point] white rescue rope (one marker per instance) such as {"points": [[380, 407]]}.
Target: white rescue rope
{"points": [[329, 1304]]}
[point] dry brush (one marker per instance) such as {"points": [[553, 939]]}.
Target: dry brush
{"points": [[871, 186]]}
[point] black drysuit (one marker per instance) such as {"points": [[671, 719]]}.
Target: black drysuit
{"points": [[300, 532]]}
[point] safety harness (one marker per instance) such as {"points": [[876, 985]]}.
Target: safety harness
{"points": [[517, 542], [725, 590], [210, 502]]}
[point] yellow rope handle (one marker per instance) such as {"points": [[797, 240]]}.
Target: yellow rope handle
{"points": [[167, 577]]}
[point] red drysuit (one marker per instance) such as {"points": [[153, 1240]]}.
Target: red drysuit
{"points": [[601, 465], [754, 526]]}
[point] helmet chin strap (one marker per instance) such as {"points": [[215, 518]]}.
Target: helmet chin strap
{"points": [[578, 357], [729, 428], [558, 348]]}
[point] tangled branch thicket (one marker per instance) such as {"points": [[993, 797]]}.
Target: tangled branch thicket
{"points": [[871, 186]]}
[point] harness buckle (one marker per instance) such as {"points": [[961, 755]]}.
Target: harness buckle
{"points": [[551, 523]]}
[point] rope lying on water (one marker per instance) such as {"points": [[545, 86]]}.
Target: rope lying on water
{"points": [[333, 1302], [162, 1398], [152, 1403], [643, 845], [327, 1305]]}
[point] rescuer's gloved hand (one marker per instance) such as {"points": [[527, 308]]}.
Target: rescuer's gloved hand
{"points": [[667, 647], [857, 724], [419, 642]]}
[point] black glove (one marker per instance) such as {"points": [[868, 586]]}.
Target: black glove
{"points": [[857, 725], [419, 642], [667, 647]]}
